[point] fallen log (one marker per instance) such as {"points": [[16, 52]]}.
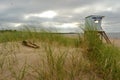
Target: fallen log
{"points": [[29, 44]]}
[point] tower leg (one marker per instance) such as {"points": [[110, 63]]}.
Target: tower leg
{"points": [[105, 36]]}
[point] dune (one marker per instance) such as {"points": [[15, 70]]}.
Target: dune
{"points": [[36, 58], [20, 55]]}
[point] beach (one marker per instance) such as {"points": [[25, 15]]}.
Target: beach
{"points": [[20, 56]]}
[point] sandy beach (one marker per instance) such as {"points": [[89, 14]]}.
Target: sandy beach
{"points": [[33, 57], [115, 42]]}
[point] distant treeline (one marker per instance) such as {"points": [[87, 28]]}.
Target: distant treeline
{"points": [[1, 31]]}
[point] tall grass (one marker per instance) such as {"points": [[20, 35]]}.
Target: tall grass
{"points": [[60, 57], [104, 57], [62, 65], [48, 37]]}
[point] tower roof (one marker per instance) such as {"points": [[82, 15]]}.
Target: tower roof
{"points": [[95, 16]]}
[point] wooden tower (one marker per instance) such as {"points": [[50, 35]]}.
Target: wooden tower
{"points": [[93, 23]]}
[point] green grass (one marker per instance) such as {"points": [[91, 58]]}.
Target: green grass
{"points": [[51, 38], [62, 58], [104, 57]]}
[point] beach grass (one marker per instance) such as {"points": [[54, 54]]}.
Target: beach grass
{"points": [[58, 58]]}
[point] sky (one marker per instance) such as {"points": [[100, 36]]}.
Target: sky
{"points": [[58, 15]]}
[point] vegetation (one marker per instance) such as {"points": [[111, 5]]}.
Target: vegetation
{"points": [[58, 58], [104, 58]]}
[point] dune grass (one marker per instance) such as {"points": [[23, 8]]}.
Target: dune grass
{"points": [[104, 57], [48, 37], [62, 58]]}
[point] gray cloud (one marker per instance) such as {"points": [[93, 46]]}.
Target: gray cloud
{"points": [[13, 11]]}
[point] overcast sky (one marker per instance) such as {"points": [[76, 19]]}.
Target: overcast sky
{"points": [[61, 15]]}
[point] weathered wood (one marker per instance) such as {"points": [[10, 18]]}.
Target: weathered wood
{"points": [[29, 44], [103, 34]]}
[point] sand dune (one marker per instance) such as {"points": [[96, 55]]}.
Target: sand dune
{"points": [[33, 56]]}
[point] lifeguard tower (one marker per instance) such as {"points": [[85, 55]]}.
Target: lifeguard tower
{"points": [[93, 23]]}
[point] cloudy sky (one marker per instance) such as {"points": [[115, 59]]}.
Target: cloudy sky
{"points": [[59, 15]]}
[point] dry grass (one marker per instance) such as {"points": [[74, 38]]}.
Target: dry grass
{"points": [[35, 61], [57, 58]]}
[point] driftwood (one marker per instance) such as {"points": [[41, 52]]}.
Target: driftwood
{"points": [[29, 44]]}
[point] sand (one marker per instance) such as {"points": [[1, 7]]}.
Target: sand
{"points": [[34, 56], [115, 42]]}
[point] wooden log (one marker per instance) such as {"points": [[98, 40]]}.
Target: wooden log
{"points": [[29, 44]]}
